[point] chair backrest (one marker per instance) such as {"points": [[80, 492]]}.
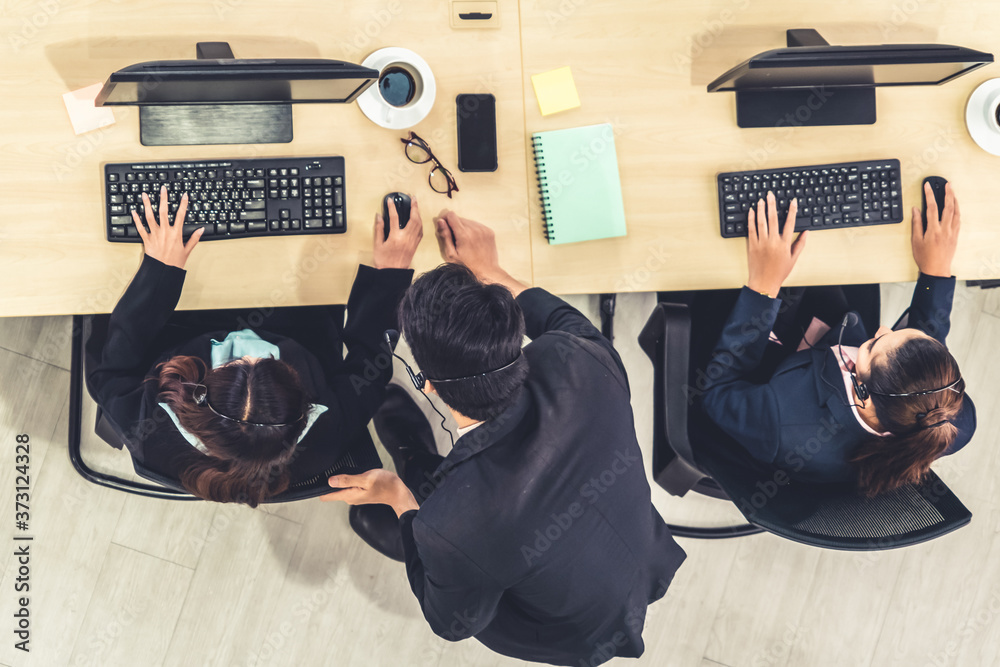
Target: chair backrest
{"points": [[358, 459], [833, 516]]}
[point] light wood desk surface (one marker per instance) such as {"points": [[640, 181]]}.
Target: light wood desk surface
{"points": [[644, 66], [641, 66], [54, 258]]}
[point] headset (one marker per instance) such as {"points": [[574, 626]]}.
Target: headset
{"points": [[200, 396], [862, 390], [391, 337]]}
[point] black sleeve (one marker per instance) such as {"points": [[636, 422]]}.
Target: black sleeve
{"points": [[544, 312], [747, 411], [118, 357], [371, 309], [458, 598], [930, 307]]}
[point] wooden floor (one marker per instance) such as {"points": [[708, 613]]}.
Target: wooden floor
{"points": [[122, 580]]}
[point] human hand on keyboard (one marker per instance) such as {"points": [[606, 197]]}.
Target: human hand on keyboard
{"points": [[771, 254], [934, 248], [396, 252], [165, 241]]}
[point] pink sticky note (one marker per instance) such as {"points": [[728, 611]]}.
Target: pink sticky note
{"points": [[82, 112]]}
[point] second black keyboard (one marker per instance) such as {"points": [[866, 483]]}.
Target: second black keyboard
{"points": [[230, 199], [831, 196]]}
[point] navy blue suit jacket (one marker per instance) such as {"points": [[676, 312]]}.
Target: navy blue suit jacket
{"points": [[801, 420], [122, 358], [541, 539]]}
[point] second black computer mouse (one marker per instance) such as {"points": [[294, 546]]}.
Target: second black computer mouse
{"points": [[937, 187], [402, 203]]}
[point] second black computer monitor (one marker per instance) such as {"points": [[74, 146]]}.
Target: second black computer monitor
{"points": [[813, 83]]}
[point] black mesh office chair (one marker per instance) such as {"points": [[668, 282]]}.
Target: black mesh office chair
{"points": [[834, 516], [355, 461]]}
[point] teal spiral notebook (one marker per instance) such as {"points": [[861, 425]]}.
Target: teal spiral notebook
{"points": [[579, 185]]}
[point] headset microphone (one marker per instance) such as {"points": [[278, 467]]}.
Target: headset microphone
{"points": [[391, 337]]}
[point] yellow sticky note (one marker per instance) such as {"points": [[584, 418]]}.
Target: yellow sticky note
{"points": [[555, 91]]}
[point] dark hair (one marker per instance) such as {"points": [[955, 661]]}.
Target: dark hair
{"points": [[921, 426], [246, 463], [457, 326]]}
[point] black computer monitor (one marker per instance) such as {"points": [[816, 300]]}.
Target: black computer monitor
{"points": [[219, 99], [814, 83]]}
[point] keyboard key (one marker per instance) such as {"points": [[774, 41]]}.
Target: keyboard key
{"points": [[117, 230], [314, 223], [259, 226]]}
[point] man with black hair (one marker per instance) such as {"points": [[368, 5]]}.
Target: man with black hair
{"points": [[536, 534]]}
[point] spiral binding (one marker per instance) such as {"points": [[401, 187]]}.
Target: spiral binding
{"points": [[543, 189]]}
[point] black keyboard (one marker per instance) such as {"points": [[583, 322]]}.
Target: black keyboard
{"points": [[232, 199], [831, 196]]}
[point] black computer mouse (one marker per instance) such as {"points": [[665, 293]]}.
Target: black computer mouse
{"points": [[937, 187], [402, 202]]}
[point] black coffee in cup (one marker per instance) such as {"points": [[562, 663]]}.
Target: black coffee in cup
{"points": [[397, 86]]}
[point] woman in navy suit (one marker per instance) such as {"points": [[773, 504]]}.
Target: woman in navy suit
{"points": [[238, 408], [844, 406]]}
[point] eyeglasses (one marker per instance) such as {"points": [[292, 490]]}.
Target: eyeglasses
{"points": [[440, 179]]}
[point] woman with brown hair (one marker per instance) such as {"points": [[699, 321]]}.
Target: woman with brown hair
{"points": [[841, 405], [239, 405]]}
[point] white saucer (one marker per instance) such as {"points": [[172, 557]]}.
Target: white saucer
{"points": [[980, 116], [384, 114]]}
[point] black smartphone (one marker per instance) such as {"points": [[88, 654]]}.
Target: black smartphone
{"points": [[477, 132]]}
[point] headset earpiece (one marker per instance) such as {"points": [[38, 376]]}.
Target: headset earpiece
{"points": [[860, 388]]}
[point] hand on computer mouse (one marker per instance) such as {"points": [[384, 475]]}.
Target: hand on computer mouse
{"points": [[934, 248], [771, 254], [396, 251], [163, 241]]}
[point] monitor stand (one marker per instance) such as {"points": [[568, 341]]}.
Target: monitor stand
{"points": [[805, 107], [207, 124]]}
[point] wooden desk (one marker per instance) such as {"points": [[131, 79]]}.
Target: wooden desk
{"points": [[643, 66], [53, 255]]}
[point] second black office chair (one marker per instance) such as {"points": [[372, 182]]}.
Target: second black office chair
{"points": [[833, 516]]}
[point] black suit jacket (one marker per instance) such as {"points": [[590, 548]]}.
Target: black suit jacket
{"points": [[119, 359], [541, 539], [801, 419]]}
